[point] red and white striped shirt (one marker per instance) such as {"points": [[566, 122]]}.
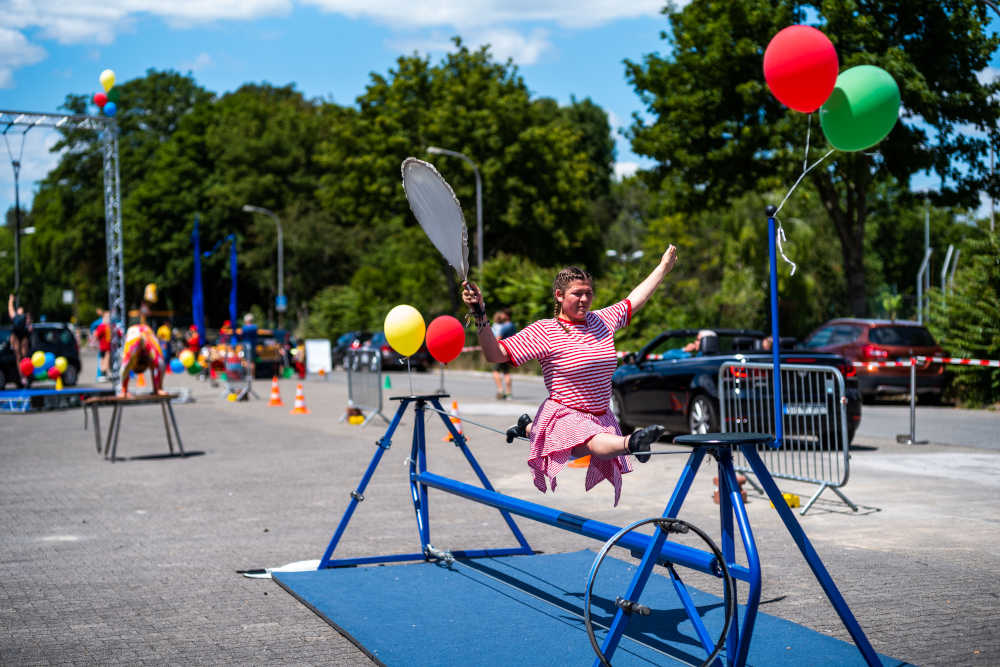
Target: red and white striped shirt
{"points": [[578, 361]]}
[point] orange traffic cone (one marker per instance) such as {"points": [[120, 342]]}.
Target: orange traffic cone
{"points": [[453, 415], [142, 379], [275, 394], [300, 402], [582, 462]]}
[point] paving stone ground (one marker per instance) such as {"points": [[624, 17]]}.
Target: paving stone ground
{"points": [[135, 562]]}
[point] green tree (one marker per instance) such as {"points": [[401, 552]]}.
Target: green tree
{"points": [[966, 320], [253, 146], [716, 131], [69, 207], [541, 167]]}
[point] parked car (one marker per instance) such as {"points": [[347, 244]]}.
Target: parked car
{"points": [[392, 360], [351, 340], [867, 340], [661, 385], [54, 337]]}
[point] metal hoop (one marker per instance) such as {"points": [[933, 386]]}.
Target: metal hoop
{"points": [[668, 525]]}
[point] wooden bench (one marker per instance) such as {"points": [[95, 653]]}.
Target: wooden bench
{"points": [[119, 403]]}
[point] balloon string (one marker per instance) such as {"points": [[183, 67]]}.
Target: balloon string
{"points": [[805, 157], [799, 180], [781, 251]]}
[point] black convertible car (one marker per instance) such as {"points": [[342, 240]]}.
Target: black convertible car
{"points": [[662, 384]]}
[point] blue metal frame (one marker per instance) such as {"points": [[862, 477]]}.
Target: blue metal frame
{"points": [[655, 549]]}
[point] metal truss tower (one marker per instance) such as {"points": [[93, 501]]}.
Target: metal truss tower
{"points": [[107, 131]]}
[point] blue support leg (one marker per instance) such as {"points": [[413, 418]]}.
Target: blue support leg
{"points": [[727, 480], [812, 558], [358, 495]]}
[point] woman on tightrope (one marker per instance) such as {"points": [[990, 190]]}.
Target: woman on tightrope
{"points": [[577, 353]]}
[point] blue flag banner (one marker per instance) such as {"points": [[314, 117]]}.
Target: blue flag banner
{"points": [[232, 270], [197, 298], [232, 288]]}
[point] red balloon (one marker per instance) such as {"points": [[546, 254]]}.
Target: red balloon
{"points": [[445, 338], [27, 368], [100, 99], [800, 66], [53, 372]]}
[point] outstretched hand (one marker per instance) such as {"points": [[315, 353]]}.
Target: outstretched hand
{"points": [[669, 258]]}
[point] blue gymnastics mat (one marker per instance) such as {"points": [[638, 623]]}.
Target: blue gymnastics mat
{"points": [[528, 610]]}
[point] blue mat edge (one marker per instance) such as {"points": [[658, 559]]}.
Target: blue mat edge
{"points": [[886, 660]]}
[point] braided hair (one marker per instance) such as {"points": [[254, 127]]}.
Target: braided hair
{"points": [[562, 281]]}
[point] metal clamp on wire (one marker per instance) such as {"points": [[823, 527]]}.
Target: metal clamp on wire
{"points": [[357, 496], [628, 606], [439, 554], [383, 443]]}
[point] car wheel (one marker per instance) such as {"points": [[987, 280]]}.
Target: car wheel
{"points": [[702, 415], [69, 376], [617, 411]]}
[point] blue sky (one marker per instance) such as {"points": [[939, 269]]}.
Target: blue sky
{"points": [[327, 48]]}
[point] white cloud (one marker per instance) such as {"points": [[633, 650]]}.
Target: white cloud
{"points": [[504, 43], [625, 169], [988, 75], [202, 62], [481, 13], [91, 21], [479, 21], [16, 51]]}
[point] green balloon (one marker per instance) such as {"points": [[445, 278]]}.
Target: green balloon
{"points": [[113, 95], [862, 109]]}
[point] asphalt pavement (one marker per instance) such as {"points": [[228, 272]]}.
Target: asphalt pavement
{"points": [[135, 562]]}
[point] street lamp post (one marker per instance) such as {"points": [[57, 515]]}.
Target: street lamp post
{"points": [[281, 303], [17, 225], [479, 201]]}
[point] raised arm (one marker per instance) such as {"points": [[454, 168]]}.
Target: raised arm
{"points": [[645, 289], [473, 298], [10, 307]]}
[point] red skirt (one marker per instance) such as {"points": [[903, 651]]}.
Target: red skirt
{"points": [[557, 429]]}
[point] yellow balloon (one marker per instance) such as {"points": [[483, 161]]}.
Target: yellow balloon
{"points": [[107, 79], [404, 329], [186, 357], [38, 359], [60, 364]]}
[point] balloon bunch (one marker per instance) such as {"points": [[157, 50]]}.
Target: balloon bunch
{"points": [[405, 332], [43, 365], [857, 108], [185, 361], [108, 100]]}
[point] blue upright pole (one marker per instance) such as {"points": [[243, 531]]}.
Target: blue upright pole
{"points": [[779, 409]]}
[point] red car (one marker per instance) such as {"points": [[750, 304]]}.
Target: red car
{"points": [[867, 341]]}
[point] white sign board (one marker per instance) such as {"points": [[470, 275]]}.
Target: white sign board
{"points": [[318, 355]]}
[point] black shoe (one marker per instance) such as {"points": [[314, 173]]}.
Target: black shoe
{"points": [[519, 431], [640, 441]]}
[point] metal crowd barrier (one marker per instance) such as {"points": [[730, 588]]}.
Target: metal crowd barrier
{"points": [[364, 382], [815, 448]]}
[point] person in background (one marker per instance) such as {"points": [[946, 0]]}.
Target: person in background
{"points": [[102, 338], [193, 340], [20, 334], [248, 341], [502, 328]]}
